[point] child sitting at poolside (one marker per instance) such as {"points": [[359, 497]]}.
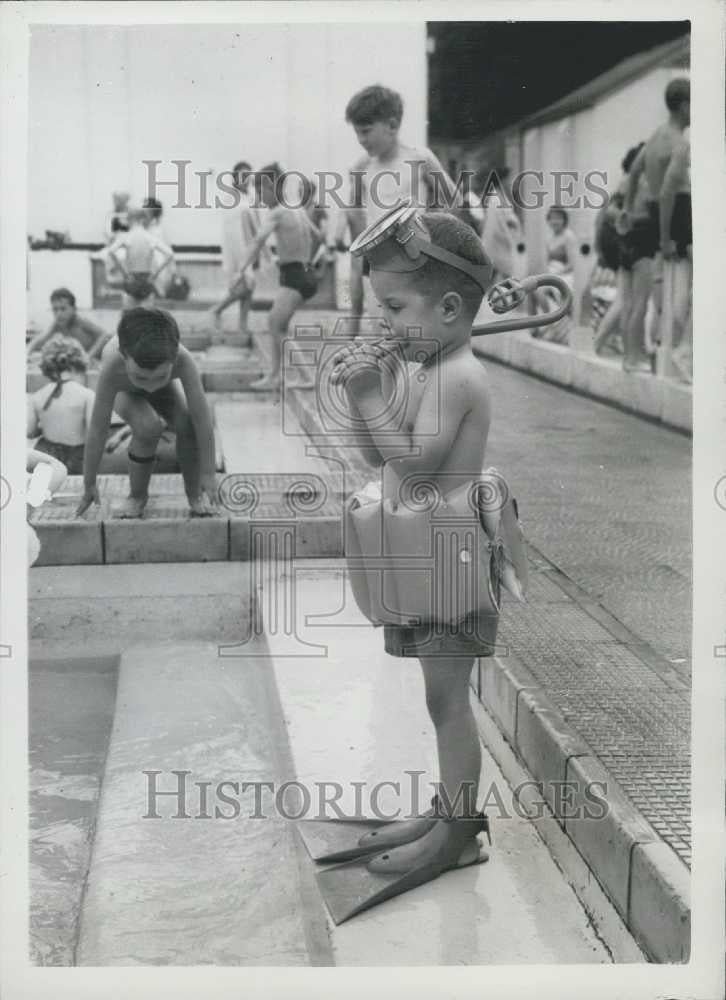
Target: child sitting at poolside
{"points": [[61, 412], [67, 322], [151, 381], [437, 445]]}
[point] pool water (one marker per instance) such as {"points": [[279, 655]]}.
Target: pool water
{"points": [[67, 754]]}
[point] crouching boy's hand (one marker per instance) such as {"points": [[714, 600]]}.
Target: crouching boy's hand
{"points": [[208, 489], [90, 495]]}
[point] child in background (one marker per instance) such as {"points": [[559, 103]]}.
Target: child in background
{"points": [[294, 234], [118, 220], [152, 381], [61, 412], [240, 225], [136, 260], [68, 323], [561, 256], [389, 172], [154, 211]]}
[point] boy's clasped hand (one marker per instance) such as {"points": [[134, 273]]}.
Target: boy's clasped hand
{"points": [[358, 365]]}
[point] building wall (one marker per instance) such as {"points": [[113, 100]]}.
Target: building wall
{"points": [[104, 99]]}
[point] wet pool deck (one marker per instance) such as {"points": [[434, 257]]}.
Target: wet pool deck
{"points": [[241, 892]]}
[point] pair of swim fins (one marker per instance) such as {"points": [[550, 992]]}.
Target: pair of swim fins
{"points": [[345, 849]]}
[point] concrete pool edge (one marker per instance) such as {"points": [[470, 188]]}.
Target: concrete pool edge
{"points": [[663, 400], [644, 879]]}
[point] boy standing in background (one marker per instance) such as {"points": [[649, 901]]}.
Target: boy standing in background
{"points": [[389, 172]]}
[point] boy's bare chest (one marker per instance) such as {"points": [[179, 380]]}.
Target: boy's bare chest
{"points": [[418, 383]]}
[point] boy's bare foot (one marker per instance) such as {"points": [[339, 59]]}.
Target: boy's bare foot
{"points": [[200, 507], [445, 844], [132, 507], [215, 318]]}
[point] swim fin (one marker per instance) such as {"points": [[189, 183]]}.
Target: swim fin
{"points": [[351, 887], [334, 840]]}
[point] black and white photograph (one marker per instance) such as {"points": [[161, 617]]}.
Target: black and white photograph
{"points": [[372, 516]]}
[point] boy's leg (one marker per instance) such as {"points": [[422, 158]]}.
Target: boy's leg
{"points": [[146, 429], [642, 283], [287, 300], [171, 403], [245, 304], [446, 680]]}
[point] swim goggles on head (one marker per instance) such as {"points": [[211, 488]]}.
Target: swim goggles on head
{"points": [[400, 241]]}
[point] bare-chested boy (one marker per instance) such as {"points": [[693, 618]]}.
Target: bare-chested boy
{"points": [[151, 381], [439, 444], [642, 229], [294, 232], [390, 172]]}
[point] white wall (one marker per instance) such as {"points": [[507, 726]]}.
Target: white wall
{"points": [[104, 99]]}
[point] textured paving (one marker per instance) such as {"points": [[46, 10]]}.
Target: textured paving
{"points": [[606, 496], [634, 714]]}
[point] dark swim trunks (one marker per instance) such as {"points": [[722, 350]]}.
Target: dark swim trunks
{"points": [[608, 247], [681, 223], [474, 636], [138, 286], [300, 277], [643, 240], [165, 401]]}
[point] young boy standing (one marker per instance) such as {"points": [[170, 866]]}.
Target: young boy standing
{"points": [[439, 445], [240, 226], [138, 257], [150, 380], [294, 232], [67, 322], [389, 172]]}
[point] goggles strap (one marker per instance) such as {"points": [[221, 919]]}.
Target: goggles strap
{"points": [[481, 273]]}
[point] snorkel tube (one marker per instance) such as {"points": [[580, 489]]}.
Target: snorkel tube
{"points": [[399, 241], [510, 294]]}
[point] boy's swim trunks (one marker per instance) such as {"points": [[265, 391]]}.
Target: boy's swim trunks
{"points": [[473, 636], [165, 401], [681, 223], [300, 278], [138, 286], [643, 239]]}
